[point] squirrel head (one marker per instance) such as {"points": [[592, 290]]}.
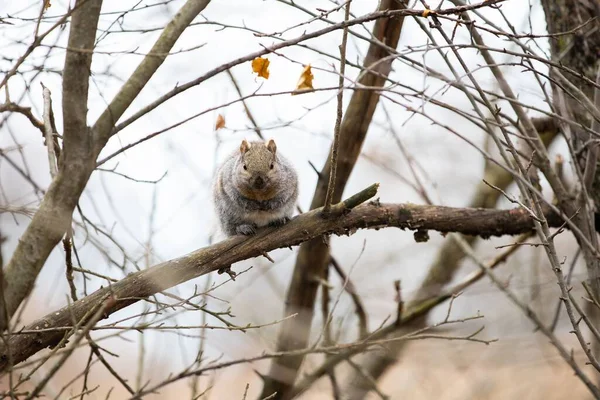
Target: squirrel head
{"points": [[258, 174]]}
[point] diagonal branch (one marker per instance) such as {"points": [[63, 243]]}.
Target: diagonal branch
{"points": [[313, 257], [395, 13], [303, 228], [52, 219], [78, 160], [103, 127]]}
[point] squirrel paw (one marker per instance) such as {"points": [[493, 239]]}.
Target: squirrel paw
{"points": [[227, 270], [246, 229], [280, 222]]}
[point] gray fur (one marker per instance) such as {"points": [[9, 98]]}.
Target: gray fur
{"points": [[242, 215]]}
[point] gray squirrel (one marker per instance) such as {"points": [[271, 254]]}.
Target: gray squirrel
{"points": [[254, 187]]}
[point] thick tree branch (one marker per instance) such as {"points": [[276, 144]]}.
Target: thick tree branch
{"points": [[52, 219], [579, 50], [78, 160], [303, 228], [75, 84], [313, 257]]}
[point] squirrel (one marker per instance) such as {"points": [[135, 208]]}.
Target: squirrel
{"points": [[254, 187]]}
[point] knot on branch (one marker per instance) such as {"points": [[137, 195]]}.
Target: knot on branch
{"points": [[344, 207]]}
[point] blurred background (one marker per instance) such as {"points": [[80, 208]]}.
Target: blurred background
{"points": [[152, 202]]}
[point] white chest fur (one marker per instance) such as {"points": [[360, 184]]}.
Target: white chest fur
{"points": [[264, 218]]}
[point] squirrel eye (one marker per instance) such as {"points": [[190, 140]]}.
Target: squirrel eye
{"points": [[245, 167], [272, 165]]}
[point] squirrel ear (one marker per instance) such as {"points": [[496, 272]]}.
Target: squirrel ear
{"points": [[271, 146], [245, 146]]}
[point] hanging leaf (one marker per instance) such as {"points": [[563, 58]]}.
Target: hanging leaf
{"points": [[261, 67], [220, 122], [305, 83]]}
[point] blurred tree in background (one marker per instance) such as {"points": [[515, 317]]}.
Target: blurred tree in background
{"points": [[473, 127]]}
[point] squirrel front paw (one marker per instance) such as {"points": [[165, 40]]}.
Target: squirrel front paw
{"points": [[279, 222], [246, 229]]}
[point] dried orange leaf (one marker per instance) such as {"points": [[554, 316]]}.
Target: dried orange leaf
{"points": [[306, 80], [261, 67], [220, 122], [426, 12], [47, 4]]}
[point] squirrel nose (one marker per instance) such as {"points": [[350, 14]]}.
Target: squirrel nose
{"points": [[259, 183]]}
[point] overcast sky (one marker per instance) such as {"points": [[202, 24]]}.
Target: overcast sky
{"points": [[301, 125]]}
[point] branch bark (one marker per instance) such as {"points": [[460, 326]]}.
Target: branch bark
{"points": [[561, 17], [313, 257], [442, 270], [81, 146], [580, 52], [52, 219], [305, 227]]}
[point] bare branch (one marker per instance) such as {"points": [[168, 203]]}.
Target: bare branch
{"points": [[78, 160], [302, 228], [313, 256], [103, 128], [53, 217], [49, 132], [338, 119], [26, 111]]}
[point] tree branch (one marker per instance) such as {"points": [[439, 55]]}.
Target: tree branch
{"points": [[78, 160], [388, 13], [303, 228], [338, 119], [26, 111], [103, 128], [313, 257], [52, 219]]}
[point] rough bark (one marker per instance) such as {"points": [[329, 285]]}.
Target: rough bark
{"points": [[53, 217], [562, 16], [580, 51], [310, 225], [81, 144]]}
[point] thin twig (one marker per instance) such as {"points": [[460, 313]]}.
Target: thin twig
{"points": [[246, 108], [566, 355], [97, 315], [49, 134], [338, 120], [363, 321]]}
